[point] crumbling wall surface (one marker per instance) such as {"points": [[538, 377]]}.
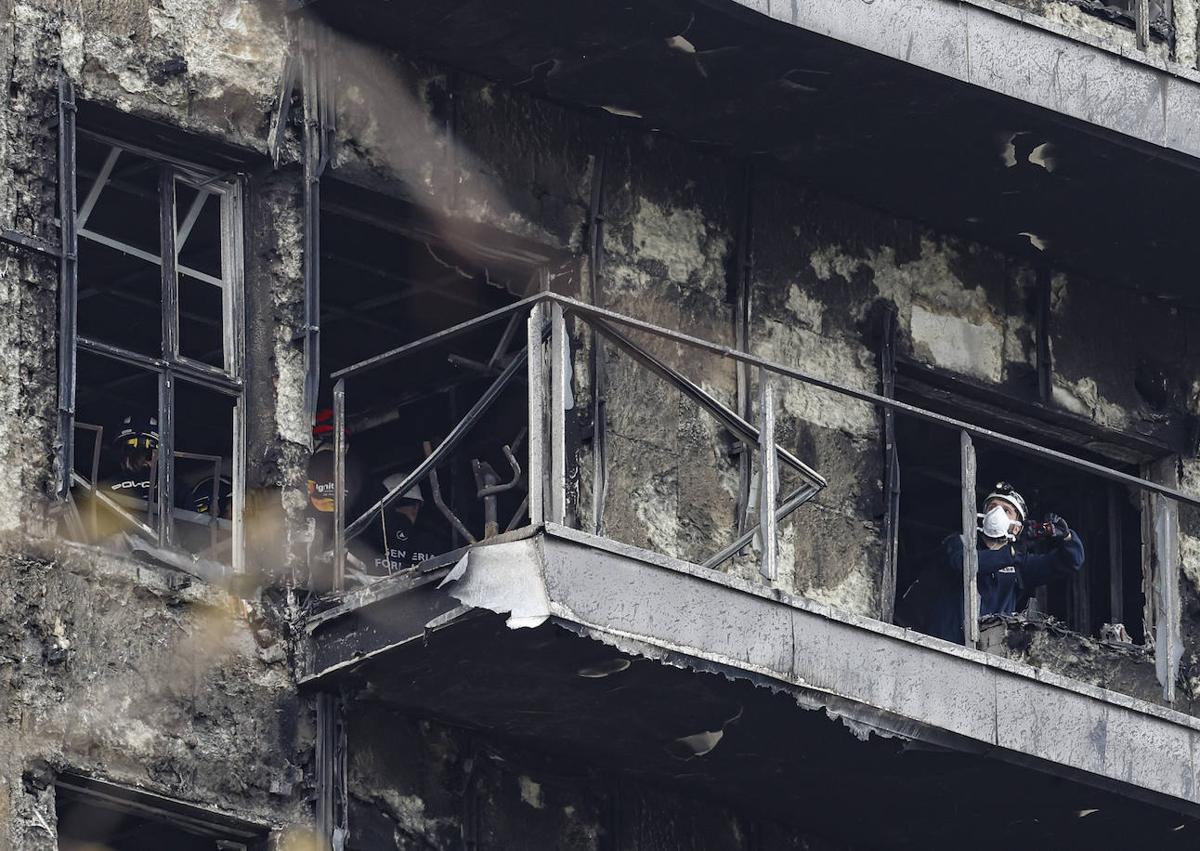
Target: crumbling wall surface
{"points": [[106, 669], [28, 281], [210, 66], [668, 237], [1124, 359], [419, 784], [278, 432], [459, 146]]}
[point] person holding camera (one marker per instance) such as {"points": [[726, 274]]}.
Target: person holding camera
{"points": [[1015, 558]]}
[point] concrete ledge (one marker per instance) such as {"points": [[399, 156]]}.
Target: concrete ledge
{"points": [[887, 678], [1013, 53]]}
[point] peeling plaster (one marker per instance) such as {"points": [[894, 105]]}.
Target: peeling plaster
{"points": [[680, 240]]}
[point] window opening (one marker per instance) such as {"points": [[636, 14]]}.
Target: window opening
{"points": [[1104, 515], [94, 815], [1159, 24], [157, 466], [385, 284]]}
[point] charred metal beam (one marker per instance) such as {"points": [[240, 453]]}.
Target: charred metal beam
{"points": [[891, 468], [743, 305], [1045, 366], [970, 561], [768, 460], [599, 376], [31, 243], [376, 361], [101, 180], [68, 287], [560, 367], [537, 412], [339, 486], [1116, 556]]}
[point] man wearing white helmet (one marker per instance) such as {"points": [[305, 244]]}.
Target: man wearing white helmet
{"points": [[402, 545], [1015, 558]]}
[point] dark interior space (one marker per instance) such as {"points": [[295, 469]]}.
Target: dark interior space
{"points": [[1105, 515], [863, 126], [388, 279], [94, 816], [728, 741]]}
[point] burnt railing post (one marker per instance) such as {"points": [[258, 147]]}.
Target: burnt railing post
{"points": [[769, 477], [560, 377], [339, 486], [68, 276], [537, 413], [970, 561]]}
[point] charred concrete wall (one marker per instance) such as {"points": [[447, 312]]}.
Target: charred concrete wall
{"points": [[418, 784], [479, 152], [671, 211], [108, 670]]}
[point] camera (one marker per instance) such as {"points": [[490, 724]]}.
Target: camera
{"points": [[1040, 531]]}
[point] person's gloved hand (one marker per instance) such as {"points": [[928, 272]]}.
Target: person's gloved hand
{"points": [[1062, 532]]}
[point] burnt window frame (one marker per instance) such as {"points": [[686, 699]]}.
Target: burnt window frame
{"points": [[227, 832], [936, 389], [170, 366]]}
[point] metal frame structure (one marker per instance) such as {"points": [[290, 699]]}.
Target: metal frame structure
{"points": [[171, 366], [548, 374]]}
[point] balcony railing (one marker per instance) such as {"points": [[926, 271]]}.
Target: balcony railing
{"points": [[549, 379]]}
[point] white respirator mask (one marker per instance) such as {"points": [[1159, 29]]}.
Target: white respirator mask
{"points": [[996, 523]]}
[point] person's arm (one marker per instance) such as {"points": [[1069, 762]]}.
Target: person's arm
{"points": [[990, 561], [1066, 559]]}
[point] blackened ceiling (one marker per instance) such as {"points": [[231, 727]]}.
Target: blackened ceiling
{"points": [[863, 126]]}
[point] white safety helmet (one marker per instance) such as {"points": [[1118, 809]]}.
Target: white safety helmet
{"points": [[395, 479], [1005, 492]]}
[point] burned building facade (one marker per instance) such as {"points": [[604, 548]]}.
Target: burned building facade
{"points": [[437, 425]]}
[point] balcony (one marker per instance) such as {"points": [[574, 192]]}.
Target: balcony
{"points": [[624, 656]]}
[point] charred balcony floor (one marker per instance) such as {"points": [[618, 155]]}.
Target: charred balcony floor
{"points": [[851, 728]]}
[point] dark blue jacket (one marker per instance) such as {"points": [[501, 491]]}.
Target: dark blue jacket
{"points": [[1006, 579]]}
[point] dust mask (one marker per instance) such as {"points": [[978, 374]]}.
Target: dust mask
{"points": [[996, 523]]}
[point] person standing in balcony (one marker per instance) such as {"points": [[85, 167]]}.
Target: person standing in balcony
{"points": [[1015, 559]]}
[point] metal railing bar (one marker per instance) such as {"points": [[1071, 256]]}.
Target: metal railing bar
{"points": [[193, 371], [797, 498], [149, 257], [769, 476], [745, 431], [434, 339], [114, 506], [585, 310], [448, 444]]}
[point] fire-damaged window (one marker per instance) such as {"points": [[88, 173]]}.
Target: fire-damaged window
{"points": [[391, 276], [1102, 597], [95, 815], [156, 466], [1124, 12]]}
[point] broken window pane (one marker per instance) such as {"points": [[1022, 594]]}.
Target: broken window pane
{"points": [[116, 451], [198, 247], [203, 458], [118, 197], [120, 298]]}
